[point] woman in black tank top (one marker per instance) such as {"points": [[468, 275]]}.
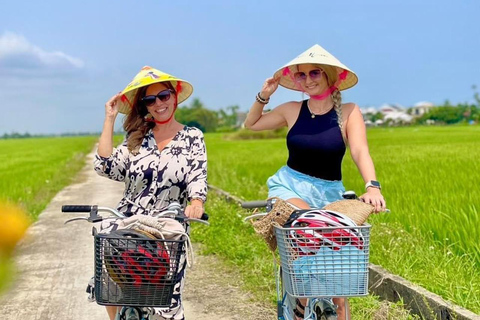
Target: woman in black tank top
{"points": [[320, 128]]}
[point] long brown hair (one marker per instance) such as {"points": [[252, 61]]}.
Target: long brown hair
{"points": [[135, 124]]}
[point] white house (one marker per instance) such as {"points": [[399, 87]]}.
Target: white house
{"points": [[421, 108], [395, 113]]}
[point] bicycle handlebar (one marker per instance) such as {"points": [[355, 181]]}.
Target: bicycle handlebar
{"points": [[350, 195], [174, 209], [254, 204], [76, 208]]}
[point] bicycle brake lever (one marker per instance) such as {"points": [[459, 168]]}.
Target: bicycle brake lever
{"points": [[89, 219], [75, 219]]}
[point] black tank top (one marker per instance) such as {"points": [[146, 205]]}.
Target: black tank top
{"points": [[315, 145]]}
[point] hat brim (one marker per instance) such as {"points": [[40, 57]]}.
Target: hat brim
{"points": [[142, 79], [316, 55], [287, 80]]}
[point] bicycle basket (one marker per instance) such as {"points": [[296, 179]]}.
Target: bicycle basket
{"points": [[335, 263], [134, 268]]}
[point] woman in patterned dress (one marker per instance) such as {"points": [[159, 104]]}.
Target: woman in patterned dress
{"points": [[160, 160]]}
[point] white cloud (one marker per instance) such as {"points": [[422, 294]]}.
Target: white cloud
{"points": [[18, 54]]}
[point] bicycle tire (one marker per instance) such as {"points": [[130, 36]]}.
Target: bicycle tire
{"points": [[130, 313], [327, 314], [323, 316]]}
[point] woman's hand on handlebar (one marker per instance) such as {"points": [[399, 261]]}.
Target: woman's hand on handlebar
{"points": [[375, 198], [195, 209]]}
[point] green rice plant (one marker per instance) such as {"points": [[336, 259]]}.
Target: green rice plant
{"points": [[34, 170]]}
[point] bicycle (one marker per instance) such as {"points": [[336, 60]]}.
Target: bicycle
{"points": [[317, 263], [135, 270]]}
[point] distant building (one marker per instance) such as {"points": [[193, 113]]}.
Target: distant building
{"points": [[398, 117], [422, 107], [388, 108], [395, 114]]}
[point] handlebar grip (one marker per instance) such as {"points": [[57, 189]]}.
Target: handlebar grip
{"points": [[205, 217], [76, 208], [254, 204]]}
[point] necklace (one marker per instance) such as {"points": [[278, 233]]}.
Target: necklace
{"points": [[313, 114]]}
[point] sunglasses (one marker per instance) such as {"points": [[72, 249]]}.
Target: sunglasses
{"points": [[162, 95], [314, 74]]}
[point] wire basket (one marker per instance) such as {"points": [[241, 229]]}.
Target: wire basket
{"points": [[324, 262], [136, 272]]}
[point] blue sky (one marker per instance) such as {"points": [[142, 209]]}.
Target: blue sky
{"points": [[60, 61]]}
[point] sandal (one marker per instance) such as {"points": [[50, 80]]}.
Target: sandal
{"points": [[299, 310]]}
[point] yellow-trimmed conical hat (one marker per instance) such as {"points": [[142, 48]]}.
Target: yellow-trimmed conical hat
{"points": [[337, 73], [148, 76]]}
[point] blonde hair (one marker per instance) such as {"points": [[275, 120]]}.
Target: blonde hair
{"points": [[337, 104]]}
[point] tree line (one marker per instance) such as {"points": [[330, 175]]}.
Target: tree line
{"points": [[194, 115], [228, 119]]}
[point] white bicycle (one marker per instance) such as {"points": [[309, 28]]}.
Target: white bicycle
{"points": [[317, 262]]}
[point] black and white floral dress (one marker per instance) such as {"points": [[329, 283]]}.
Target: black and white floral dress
{"points": [[155, 178]]}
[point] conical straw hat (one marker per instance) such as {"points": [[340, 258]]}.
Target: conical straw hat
{"points": [[148, 76], [338, 74]]}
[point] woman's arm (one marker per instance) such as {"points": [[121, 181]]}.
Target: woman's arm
{"points": [[113, 166], [110, 162], [105, 144], [357, 140], [197, 177], [258, 120]]}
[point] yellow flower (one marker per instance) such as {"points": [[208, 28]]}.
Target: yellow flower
{"points": [[13, 224]]}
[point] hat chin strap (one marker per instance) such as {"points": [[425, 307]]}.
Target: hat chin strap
{"points": [[325, 93], [162, 122]]}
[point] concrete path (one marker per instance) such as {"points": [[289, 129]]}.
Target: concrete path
{"points": [[55, 261]]}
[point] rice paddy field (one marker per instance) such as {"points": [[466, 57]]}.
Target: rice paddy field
{"points": [[430, 180], [33, 170], [429, 177]]}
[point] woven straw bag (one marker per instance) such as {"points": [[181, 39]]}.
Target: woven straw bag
{"points": [[356, 210], [279, 214]]}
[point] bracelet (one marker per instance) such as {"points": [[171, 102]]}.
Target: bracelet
{"points": [[261, 100]]}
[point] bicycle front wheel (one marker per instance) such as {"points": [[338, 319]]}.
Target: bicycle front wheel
{"points": [[325, 310]]}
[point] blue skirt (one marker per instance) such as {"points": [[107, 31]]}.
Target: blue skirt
{"points": [[287, 183]]}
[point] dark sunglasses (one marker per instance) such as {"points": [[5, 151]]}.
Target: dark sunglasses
{"points": [[314, 75], [162, 95]]}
